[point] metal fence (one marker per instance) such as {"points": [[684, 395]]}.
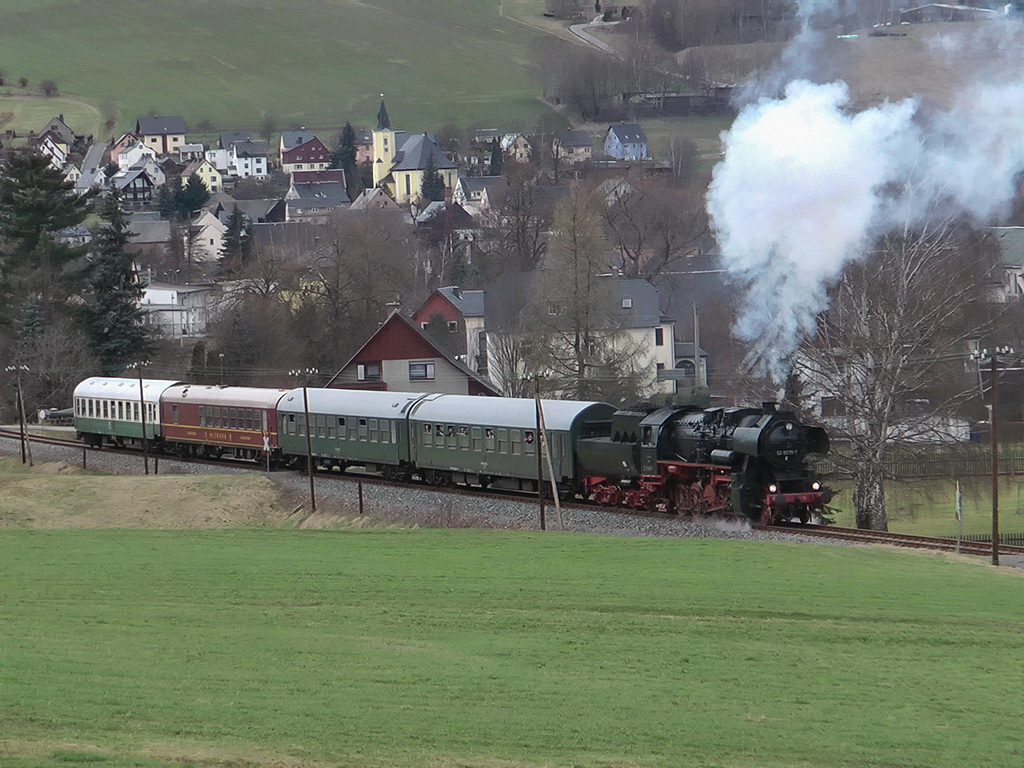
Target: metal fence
{"points": [[971, 462], [1009, 539]]}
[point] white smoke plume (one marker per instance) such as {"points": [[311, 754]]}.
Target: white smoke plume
{"points": [[807, 183]]}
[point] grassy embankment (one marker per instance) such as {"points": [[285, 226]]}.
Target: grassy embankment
{"points": [[441, 648]]}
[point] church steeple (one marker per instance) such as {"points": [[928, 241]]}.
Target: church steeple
{"points": [[383, 121]]}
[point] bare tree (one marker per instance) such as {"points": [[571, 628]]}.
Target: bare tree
{"points": [[579, 343], [890, 350], [653, 224]]}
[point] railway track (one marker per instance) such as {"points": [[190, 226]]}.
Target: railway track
{"points": [[855, 535], [893, 539]]}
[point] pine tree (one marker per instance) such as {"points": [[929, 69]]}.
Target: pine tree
{"points": [[497, 158], [432, 186], [35, 204], [113, 320], [345, 155], [237, 249], [193, 197]]}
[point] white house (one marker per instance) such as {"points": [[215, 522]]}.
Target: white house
{"points": [[177, 311]]}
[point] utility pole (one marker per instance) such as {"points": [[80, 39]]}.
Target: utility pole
{"points": [[540, 466], [138, 366], [305, 374], [993, 358], [17, 370]]}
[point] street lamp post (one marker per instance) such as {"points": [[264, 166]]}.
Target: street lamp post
{"points": [[993, 358], [305, 373], [17, 370], [221, 356], [139, 365]]}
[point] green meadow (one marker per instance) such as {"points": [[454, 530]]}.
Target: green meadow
{"points": [[315, 63], [485, 648]]}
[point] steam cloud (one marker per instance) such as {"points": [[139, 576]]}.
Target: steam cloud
{"points": [[806, 183]]}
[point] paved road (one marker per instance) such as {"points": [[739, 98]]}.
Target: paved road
{"points": [[580, 30]]}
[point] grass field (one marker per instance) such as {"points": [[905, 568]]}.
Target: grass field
{"points": [[306, 62], [468, 648], [927, 507]]}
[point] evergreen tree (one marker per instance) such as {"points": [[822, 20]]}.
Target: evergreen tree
{"points": [[432, 186], [344, 156], [113, 319], [35, 204], [167, 198], [237, 249], [497, 159], [193, 197]]}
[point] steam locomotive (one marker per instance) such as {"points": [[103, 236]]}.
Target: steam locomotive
{"points": [[748, 462]]}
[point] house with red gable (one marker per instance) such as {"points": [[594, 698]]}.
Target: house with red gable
{"points": [[460, 315], [402, 357], [303, 151]]}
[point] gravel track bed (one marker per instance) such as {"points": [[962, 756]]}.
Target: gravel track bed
{"points": [[412, 505]]}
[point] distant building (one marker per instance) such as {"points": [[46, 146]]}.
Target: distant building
{"points": [[164, 134], [399, 160], [626, 141]]}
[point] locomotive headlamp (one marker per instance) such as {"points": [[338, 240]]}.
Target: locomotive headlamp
{"points": [[773, 488], [789, 426], [815, 486]]}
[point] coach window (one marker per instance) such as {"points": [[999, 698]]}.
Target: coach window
{"points": [[216, 416], [478, 440], [489, 439], [502, 441], [331, 427], [373, 430], [135, 412], [528, 440], [232, 418], [291, 424], [341, 427], [174, 414], [257, 420], [516, 437], [120, 410], [428, 434], [321, 426], [248, 419], [362, 429], [300, 421], [464, 438]]}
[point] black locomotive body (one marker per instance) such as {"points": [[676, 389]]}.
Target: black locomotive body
{"points": [[749, 462]]}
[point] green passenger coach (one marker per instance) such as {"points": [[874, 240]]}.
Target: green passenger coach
{"points": [[492, 441], [348, 428]]}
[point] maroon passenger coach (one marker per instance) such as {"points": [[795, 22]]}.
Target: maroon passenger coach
{"points": [[204, 420]]}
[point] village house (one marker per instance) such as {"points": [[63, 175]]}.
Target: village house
{"points": [[178, 311], [516, 147], [400, 357], [314, 195], [572, 147], [303, 151], [634, 321], [460, 315], [204, 170], [163, 134], [626, 141]]}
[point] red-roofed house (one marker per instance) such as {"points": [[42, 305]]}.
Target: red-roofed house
{"points": [[400, 357]]}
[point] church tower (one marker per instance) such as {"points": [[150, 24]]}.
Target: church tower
{"points": [[383, 145]]}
